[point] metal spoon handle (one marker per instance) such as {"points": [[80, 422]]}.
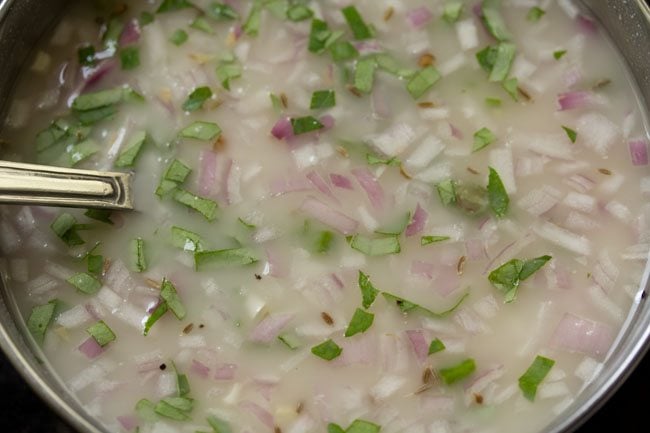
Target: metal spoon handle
{"points": [[55, 186]]}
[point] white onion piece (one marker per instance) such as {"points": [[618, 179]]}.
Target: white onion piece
{"points": [[394, 140], [386, 386], [597, 133], [419, 344], [564, 238], [75, 316], [328, 216], [581, 202], [588, 369], [501, 160], [269, 328], [371, 186], [467, 34], [260, 413], [540, 200], [600, 299], [576, 334], [638, 151], [10, 240], [424, 153]]}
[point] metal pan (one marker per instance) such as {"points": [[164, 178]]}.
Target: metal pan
{"points": [[22, 22]]}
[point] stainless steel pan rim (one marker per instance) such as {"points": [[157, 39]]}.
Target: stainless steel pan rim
{"points": [[628, 24]]}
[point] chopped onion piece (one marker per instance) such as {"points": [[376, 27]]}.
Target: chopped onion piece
{"points": [[638, 151], [328, 216], [576, 334], [269, 328]]}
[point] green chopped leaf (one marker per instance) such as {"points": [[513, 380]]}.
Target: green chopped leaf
{"points": [[342, 51], [509, 275], [368, 291], [422, 81], [40, 318], [361, 426], [145, 410], [112, 34], [493, 102], [160, 311], [279, 7], [247, 224], [101, 333], [471, 199], [173, 5], [364, 74], [505, 54], [324, 241], [252, 24], [559, 54], [129, 154], [90, 117], [452, 11], [219, 425], [85, 283], [146, 18], [573, 135], [95, 264], [182, 384], [64, 227], [137, 255], [426, 240], [407, 306], [493, 20], [482, 138], [457, 372], [102, 98], [321, 99], [201, 130], [291, 340], [196, 99], [130, 58], [327, 350], [396, 227], [388, 63], [228, 70], [373, 159], [447, 191], [318, 36], [535, 14], [202, 24], [360, 322], [276, 102], [170, 296], [177, 172], [303, 125], [50, 135], [299, 12], [497, 195], [185, 239], [334, 428], [179, 37], [165, 187], [221, 11], [530, 380], [359, 28], [228, 257], [436, 346], [176, 408], [375, 247], [81, 151], [86, 55], [511, 86], [206, 207]]}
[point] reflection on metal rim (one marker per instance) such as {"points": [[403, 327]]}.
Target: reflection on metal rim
{"points": [[628, 24]]}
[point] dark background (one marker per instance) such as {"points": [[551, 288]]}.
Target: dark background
{"points": [[22, 411]]}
